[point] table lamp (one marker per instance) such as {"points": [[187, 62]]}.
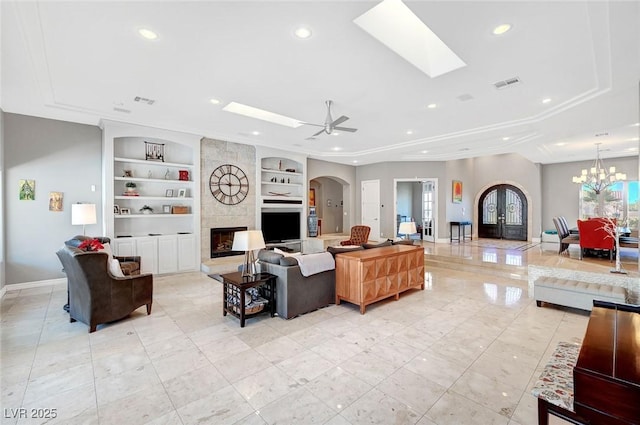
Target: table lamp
{"points": [[248, 241], [407, 228], [83, 214]]}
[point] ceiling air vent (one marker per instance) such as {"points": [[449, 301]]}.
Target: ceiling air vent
{"points": [[507, 83], [124, 111], [144, 100], [465, 97]]}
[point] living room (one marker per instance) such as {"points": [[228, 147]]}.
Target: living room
{"points": [[427, 359]]}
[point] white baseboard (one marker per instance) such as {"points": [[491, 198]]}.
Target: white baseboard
{"points": [[36, 284]]}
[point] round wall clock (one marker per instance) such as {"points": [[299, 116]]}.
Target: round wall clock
{"points": [[229, 184]]}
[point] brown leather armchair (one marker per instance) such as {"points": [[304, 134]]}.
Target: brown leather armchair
{"points": [[359, 235], [95, 295]]}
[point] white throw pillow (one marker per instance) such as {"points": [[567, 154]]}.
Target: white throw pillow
{"points": [[287, 254], [114, 268], [107, 249]]}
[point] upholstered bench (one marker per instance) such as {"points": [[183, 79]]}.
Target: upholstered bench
{"points": [[554, 387], [573, 293]]}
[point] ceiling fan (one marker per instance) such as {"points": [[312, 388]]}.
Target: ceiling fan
{"points": [[330, 125]]}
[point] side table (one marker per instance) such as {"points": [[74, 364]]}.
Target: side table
{"points": [[235, 286], [463, 225]]}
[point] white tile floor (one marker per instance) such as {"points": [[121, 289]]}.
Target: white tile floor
{"points": [[466, 350]]}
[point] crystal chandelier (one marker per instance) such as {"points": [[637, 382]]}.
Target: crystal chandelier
{"points": [[598, 178]]}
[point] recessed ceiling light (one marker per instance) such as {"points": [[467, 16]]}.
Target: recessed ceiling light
{"points": [[302, 32], [255, 133], [336, 148], [561, 143], [546, 100], [636, 124], [251, 112], [432, 106], [424, 151], [632, 149], [506, 138], [501, 29], [147, 33], [335, 133], [214, 101], [355, 161], [409, 132]]}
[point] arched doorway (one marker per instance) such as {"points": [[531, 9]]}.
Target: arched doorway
{"points": [[502, 213]]}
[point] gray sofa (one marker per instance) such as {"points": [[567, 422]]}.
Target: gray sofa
{"points": [[296, 294]]}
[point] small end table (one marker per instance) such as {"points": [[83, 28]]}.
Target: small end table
{"points": [[235, 286], [460, 224]]}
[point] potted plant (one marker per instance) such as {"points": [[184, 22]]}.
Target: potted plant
{"points": [[146, 209], [131, 186]]}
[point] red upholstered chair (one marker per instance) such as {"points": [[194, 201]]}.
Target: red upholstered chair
{"points": [[593, 235], [359, 235]]}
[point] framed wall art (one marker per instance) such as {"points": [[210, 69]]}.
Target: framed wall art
{"points": [[27, 190], [456, 192], [55, 201], [154, 151]]}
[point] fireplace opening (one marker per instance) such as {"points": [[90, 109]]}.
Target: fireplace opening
{"points": [[222, 241]]}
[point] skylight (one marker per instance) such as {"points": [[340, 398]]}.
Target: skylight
{"points": [[261, 114], [393, 24]]}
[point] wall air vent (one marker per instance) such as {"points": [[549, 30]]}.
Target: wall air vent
{"points": [[144, 100], [124, 111], [507, 83]]}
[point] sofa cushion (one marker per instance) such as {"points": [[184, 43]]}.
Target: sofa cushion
{"points": [[376, 245], [347, 248], [268, 256], [288, 261]]}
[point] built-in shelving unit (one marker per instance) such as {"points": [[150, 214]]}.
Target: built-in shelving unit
{"points": [[168, 238], [283, 186]]}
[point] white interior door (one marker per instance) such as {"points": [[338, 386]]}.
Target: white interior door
{"points": [[371, 207], [429, 196]]}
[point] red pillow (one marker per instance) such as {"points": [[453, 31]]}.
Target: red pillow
{"points": [[90, 245]]}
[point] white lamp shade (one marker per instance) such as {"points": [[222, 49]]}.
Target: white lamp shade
{"points": [[248, 240], [407, 228], [83, 214]]}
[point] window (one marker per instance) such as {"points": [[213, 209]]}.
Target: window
{"points": [[619, 200]]}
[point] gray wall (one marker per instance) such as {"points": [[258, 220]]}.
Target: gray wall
{"points": [[66, 157], [3, 204], [60, 157], [344, 175], [556, 179]]}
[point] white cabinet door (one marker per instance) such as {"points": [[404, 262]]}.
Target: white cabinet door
{"points": [[124, 247], [147, 249], [187, 258], [167, 254]]}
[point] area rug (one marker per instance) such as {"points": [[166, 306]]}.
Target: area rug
{"points": [[502, 244]]}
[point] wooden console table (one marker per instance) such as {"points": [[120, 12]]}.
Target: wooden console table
{"points": [[606, 379], [365, 277]]}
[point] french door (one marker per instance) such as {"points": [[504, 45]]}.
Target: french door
{"points": [[502, 213]]}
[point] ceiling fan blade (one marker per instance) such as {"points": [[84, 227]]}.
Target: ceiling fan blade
{"points": [[308, 123], [318, 133], [339, 120], [351, 130]]}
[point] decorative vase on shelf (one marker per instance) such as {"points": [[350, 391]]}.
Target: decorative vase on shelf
{"points": [[312, 223], [167, 175]]}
